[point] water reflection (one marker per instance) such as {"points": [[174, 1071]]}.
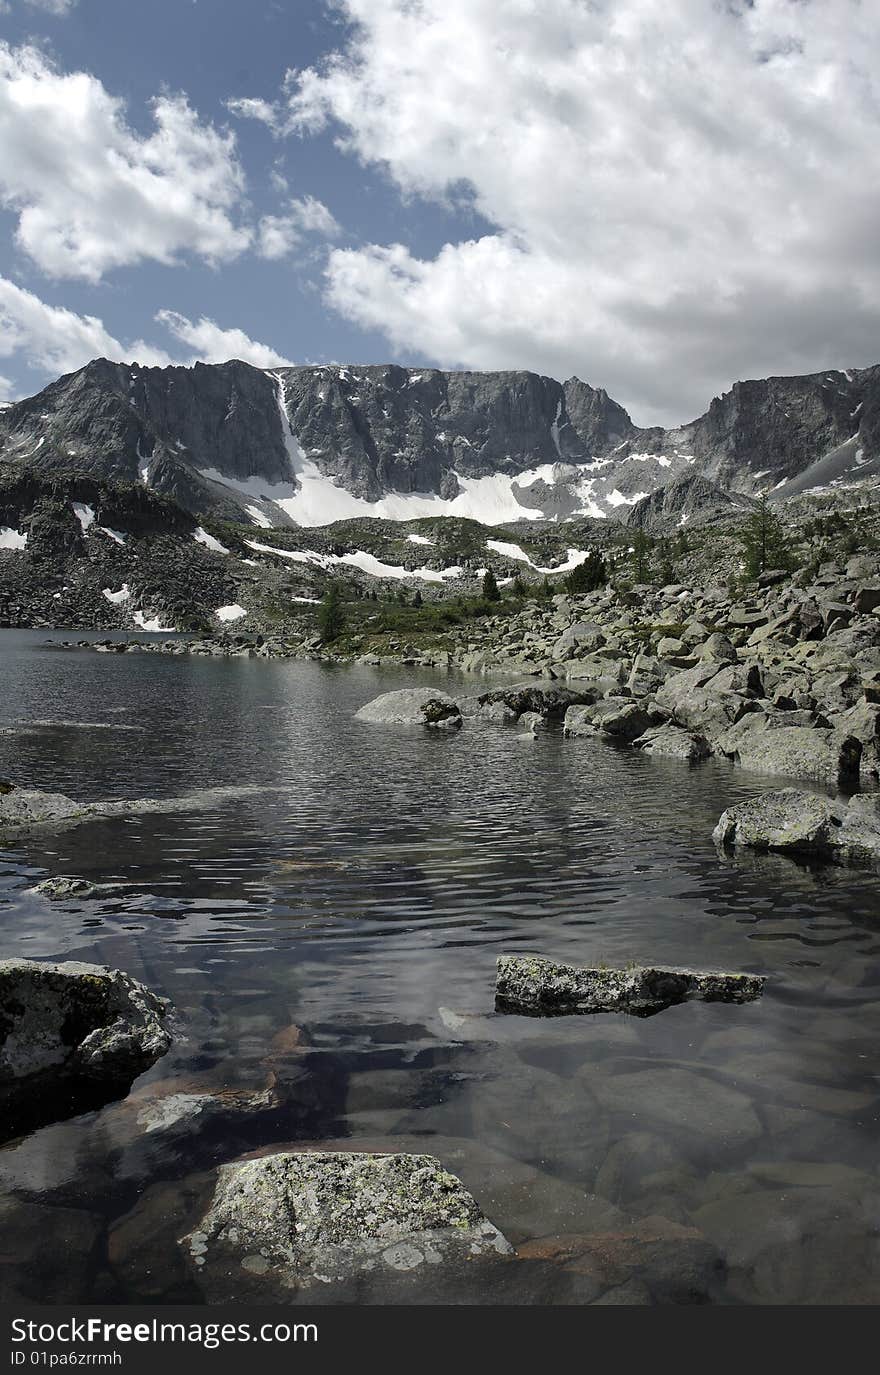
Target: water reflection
{"points": [[330, 942]]}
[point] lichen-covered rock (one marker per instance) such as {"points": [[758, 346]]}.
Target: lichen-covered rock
{"points": [[303, 1220], [805, 823], [412, 707], [72, 1026], [550, 702], [63, 887], [541, 987], [801, 752], [671, 742]]}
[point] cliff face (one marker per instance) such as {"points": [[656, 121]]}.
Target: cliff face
{"points": [[309, 445]]}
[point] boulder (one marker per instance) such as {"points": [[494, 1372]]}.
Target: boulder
{"points": [[671, 742], [540, 987], [805, 823], [412, 707], [718, 649], [552, 702], [72, 1034], [314, 1220], [801, 752]]}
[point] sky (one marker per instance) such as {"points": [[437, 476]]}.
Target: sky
{"points": [[657, 198]]}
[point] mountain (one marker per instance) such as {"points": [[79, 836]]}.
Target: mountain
{"points": [[689, 497], [310, 445]]}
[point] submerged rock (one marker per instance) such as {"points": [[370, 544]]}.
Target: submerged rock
{"points": [[540, 987], [301, 1220], [413, 707], [27, 808], [62, 887], [72, 1035], [805, 823]]}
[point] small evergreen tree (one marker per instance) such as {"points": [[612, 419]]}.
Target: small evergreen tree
{"points": [[490, 587], [331, 616], [640, 554], [764, 541], [417, 598], [589, 575], [518, 587]]}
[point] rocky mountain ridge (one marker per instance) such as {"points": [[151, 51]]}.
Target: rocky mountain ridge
{"points": [[309, 445]]}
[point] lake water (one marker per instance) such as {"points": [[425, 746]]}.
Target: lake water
{"points": [[329, 936]]}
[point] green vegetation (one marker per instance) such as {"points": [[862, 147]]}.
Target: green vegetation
{"points": [[642, 548], [490, 587], [331, 616], [588, 576], [765, 541]]}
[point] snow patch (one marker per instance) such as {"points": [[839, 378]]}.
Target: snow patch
{"points": [[121, 596], [141, 621], [617, 498], [367, 563], [84, 514], [113, 534], [259, 517], [232, 612], [202, 537], [12, 539]]}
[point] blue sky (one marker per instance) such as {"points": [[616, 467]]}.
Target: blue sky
{"points": [[214, 50], [659, 199]]}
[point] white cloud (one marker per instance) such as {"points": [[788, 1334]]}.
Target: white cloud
{"points": [[59, 7], [263, 111], [91, 194], [678, 194], [54, 340], [278, 235], [212, 344]]}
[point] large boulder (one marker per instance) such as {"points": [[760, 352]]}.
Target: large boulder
{"points": [[826, 756], [671, 742], [551, 702], [805, 823], [72, 1034], [336, 1221], [412, 707], [540, 987]]}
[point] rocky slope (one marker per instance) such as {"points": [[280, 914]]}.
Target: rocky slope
{"points": [[309, 445], [781, 678]]}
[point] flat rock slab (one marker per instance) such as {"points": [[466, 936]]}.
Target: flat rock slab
{"points": [[24, 809], [412, 707], [72, 1035], [304, 1220], [805, 823], [541, 988]]}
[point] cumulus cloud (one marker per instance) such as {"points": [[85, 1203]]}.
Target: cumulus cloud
{"points": [[91, 194], [212, 344], [677, 194], [53, 339], [279, 235]]}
